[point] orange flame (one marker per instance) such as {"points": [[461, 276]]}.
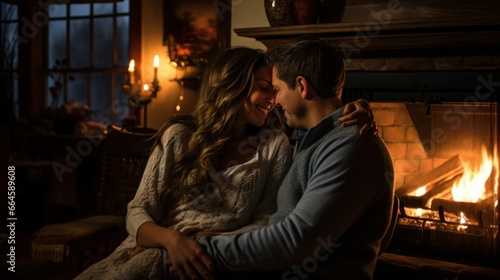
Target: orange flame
{"points": [[472, 185], [419, 192]]}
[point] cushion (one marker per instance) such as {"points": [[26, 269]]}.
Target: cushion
{"points": [[53, 242]]}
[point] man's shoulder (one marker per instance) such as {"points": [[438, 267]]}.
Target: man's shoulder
{"points": [[342, 137], [340, 133]]}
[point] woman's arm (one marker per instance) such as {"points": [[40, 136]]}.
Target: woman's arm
{"points": [[358, 112], [146, 209]]}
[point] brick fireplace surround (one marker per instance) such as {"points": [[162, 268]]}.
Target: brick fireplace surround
{"points": [[398, 130], [422, 50]]}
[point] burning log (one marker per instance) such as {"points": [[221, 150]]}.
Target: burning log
{"points": [[445, 172], [441, 189]]}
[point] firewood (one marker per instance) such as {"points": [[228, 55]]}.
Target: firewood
{"points": [[441, 189], [446, 171]]}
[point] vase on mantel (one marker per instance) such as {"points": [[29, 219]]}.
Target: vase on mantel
{"points": [[280, 12]]}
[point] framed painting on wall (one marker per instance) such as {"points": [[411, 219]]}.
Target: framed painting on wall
{"points": [[196, 29]]}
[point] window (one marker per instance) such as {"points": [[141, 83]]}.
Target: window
{"points": [[9, 63], [56, 52], [88, 53]]}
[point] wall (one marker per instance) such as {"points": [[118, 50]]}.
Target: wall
{"points": [[247, 14], [167, 98]]}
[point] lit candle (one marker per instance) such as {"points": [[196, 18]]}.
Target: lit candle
{"points": [[131, 70], [156, 63], [145, 93]]}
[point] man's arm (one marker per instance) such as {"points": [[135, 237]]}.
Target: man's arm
{"points": [[330, 204]]}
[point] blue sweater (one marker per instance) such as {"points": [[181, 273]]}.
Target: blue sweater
{"points": [[334, 207]]}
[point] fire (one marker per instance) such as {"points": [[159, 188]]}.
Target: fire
{"points": [[419, 192], [472, 185], [463, 220]]}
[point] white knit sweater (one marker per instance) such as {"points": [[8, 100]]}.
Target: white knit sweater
{"points": [[238, 199]]}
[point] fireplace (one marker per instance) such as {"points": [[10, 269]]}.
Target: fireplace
{"points": [[442, 132]]}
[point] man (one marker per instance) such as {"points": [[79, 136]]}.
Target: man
{"points": [[335, 203]]}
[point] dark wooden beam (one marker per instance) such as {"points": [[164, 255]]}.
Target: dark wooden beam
{"points": [[397, 38]]}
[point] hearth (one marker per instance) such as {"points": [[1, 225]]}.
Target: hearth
{"points": [[453, 209], [443, 135]]}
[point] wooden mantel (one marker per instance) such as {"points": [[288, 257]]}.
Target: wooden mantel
{"points": [[414, 39]]}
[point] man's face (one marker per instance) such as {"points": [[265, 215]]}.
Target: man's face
{"points": [[291, 102]]}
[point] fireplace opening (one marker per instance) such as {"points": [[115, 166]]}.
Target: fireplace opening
{"points": [[441, 129], [452, 209]]}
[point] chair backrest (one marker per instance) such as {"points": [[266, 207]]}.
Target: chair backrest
{"points": [[124, 161], [386, 240]]}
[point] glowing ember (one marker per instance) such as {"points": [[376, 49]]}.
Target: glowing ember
{"points": [[471, 186], [463, 220]]}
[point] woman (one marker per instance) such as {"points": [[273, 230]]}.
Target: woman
{"points": [[216, 171]]}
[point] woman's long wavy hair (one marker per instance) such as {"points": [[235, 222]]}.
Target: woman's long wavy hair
{"points": [[227, 82]]}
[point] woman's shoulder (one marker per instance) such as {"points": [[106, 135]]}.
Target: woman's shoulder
{"points": [[177, 128], [175, 131]]}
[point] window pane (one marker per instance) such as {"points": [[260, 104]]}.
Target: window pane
{"points": [[8, 11], [80, 46], [80, 10], [103, 9], [122, 7], [56, 11], [8, 45], [56, 85], [57, 60], [101, 97], [120, 104], [123, 41], [9, 41], [55, 95], [77, 89], [103, 42], [57, 41]]}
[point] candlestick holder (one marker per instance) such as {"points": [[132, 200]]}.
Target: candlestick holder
{"points": [[155, 85], [140, 95]]}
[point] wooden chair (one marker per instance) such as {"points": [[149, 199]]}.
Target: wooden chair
{"points": [[80, 243]]}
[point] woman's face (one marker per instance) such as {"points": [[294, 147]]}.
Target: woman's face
{"points": [[261, 100]]}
